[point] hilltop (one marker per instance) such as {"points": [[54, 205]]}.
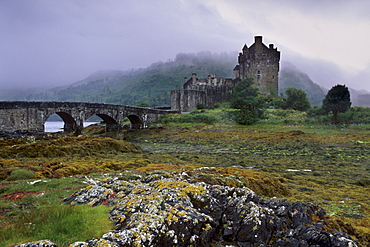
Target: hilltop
{"points": [[153, 84]]}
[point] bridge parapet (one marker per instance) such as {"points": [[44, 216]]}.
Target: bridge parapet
{"points": [[31, 115]]}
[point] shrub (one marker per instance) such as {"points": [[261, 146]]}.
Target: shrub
{"points": [[195, 117], [297, 99], [20, 174], [245, 117], [217, 105], [200, 106], [144, 104], [279, 103], [315, 111], [245, 98]]}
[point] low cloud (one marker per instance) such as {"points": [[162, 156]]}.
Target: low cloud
{"points": [[50, 43]]}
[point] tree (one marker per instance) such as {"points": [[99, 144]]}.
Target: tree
{"points": [[245, 99], [297, 99], [200, 106], [143, 104], [337, 100]]}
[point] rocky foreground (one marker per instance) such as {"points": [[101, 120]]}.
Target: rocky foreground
{"points": [[171, 209]]}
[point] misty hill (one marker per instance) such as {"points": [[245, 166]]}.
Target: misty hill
{"points": [[154, 83], [151, 85], [290, 76], [360, 97]]}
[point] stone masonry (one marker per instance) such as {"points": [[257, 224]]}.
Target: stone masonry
{"points": [[258, 62], [31, 115]]}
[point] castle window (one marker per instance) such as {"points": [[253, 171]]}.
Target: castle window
{"points": [[258, 75]]}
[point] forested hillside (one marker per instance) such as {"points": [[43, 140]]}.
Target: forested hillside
{"points": [[290, 76], [153, 84]]}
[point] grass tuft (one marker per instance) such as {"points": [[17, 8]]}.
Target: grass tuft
{"points": [[62, 224]]}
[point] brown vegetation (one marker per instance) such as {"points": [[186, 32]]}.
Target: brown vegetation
{"points": [[329, 170]]}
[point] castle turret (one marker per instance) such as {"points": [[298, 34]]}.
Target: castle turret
{"points": [[260, 63]]}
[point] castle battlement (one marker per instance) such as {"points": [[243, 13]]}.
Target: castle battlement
{"points": [[257, 61], [260, 63]]}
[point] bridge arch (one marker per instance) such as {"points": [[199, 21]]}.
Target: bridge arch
{"points": [[111, 124], [70, 124], [32, 115], [135, 121], [107, 119]]}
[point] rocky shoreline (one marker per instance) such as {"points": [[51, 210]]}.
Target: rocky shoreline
{"points": [[172, 209]]}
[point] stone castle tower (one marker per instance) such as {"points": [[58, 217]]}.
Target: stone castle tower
{"points": [[260, 63]]}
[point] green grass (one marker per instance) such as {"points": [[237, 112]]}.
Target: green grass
{"points": [[41, 216], [274, 120], [62, 224], [335, 155]]}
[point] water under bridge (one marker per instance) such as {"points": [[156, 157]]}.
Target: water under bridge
{"points": [[31, 115]]}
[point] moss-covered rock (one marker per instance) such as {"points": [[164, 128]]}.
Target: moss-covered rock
{"points": [[167, 209]]}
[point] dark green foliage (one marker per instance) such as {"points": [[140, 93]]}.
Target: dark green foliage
{"points": [[315, 111], [355, 115], [337, 100], [144, 104], [245, 117], [192, 117], [200, 106], [296, 99], [279, 103], [245, 99]]}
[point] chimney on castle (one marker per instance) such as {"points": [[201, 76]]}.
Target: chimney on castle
{"points": [[194, 77], [258, 39], [258, 43]]}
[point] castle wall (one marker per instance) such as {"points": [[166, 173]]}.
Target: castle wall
{"points": [[187, 100], [258, 62]]}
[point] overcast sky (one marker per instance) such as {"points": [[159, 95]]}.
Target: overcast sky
{"points": [[58, 42]]}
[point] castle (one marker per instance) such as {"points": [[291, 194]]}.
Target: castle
{"points": [[258, 62]]}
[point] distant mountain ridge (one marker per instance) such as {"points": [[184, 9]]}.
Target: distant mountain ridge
{"points": [[153, 84], [290, 76], [101, 75]]}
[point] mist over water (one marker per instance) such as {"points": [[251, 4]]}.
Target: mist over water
{"points": [[57, 126]]}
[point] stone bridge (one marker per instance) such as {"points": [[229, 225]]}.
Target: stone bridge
{"points": [[31, 115]]}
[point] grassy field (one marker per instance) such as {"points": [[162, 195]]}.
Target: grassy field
{"points": [[324, 164]]}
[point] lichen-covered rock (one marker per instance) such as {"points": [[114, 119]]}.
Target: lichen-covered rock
{"points": [[40, 243], [165, 209]]}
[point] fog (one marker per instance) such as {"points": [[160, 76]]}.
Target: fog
{"points": [[52, 43]]}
